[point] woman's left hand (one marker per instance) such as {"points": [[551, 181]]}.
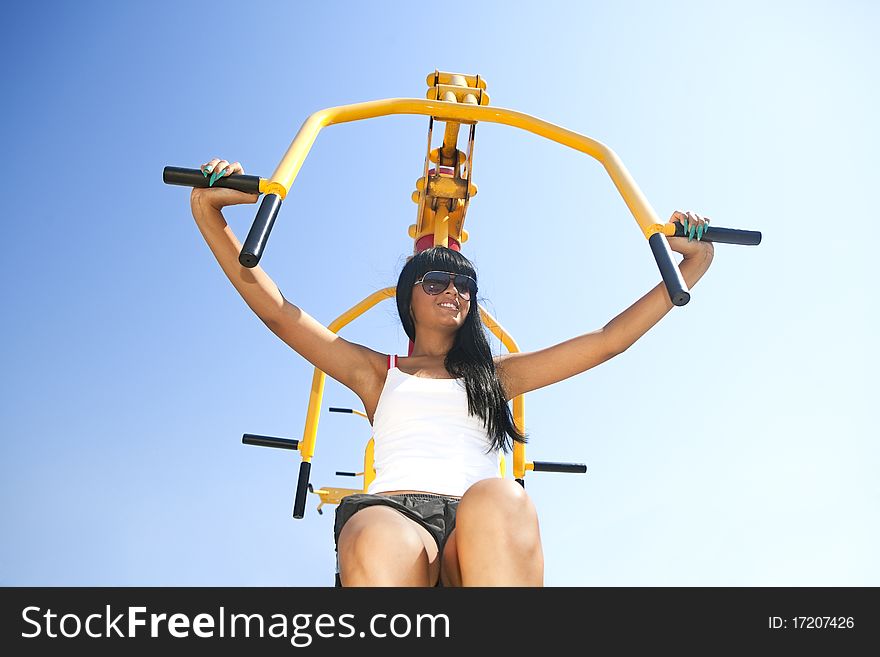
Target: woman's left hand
{"points": [[692, 245]]}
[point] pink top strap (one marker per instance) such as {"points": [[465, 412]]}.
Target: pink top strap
{"points": [[392, 361]]}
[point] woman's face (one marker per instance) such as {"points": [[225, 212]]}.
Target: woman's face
{"points": [[434, 310]]}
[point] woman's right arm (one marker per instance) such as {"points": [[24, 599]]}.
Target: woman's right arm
{"points": [[352, 364]]}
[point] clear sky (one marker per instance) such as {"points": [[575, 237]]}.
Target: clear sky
{"points": [[731, 445]]}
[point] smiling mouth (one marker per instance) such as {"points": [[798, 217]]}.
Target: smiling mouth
{"points": [[449, 307]]}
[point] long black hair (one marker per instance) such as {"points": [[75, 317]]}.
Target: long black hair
{"points": [[470, 357]]}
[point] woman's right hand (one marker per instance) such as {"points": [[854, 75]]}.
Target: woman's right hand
{"points": [[219, 197]]}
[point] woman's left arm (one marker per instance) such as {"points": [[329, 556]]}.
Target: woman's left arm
{"points": [[522, 372], [630, 325]]}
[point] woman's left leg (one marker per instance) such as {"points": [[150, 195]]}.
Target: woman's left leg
{"points": [[496, 540]]}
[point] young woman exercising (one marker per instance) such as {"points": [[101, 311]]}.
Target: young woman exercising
{"points": [[437, 512]]}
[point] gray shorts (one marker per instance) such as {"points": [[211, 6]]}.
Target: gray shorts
{"points": [[436, 513]]}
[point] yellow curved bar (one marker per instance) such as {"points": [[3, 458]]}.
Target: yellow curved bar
{"points": [[519, 450], [369, 469], [316, 396], [287, 170]]}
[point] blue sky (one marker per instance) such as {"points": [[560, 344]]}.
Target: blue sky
{"points": [[730, 446]]}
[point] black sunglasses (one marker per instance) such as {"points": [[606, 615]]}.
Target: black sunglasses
{"points": [[435, 282]]}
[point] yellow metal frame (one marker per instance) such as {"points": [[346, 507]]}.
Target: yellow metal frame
{"points": [[442, 196], [455, 113]]}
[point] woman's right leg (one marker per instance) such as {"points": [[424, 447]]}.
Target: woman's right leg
{"points": [[379, 546]]}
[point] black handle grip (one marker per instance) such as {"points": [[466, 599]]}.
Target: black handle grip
{"points": [[675, 285], [346, 474], [334, 409], [302, 488], [269, 441], [255, 243], [724, 235], [195, 178], [549, 466]]}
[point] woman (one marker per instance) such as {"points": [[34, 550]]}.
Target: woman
{"points": [[437, 513]]}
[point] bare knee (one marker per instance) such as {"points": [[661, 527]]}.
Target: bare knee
{"points": [[501, 507], [378, 547], [497, 498]]}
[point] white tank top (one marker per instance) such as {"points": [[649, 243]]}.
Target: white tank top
{"points": [[424, 439]]}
